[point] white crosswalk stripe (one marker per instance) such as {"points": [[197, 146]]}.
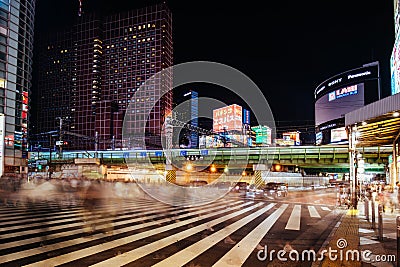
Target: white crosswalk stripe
{"points": [[294, 219], [313, 212], [244, 248], [163, 226]]}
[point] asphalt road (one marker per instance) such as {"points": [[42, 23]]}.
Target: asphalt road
{"points": [[236, 230]]}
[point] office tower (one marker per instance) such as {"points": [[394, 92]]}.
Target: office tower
{"points": [[104, 60], [187, 111], [16, 52]]}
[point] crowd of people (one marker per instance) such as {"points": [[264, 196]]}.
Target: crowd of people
{"points": [[386, 195], [100, 199]]}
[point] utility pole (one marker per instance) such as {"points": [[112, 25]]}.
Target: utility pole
{"points": [[61, 137], [96, 142], [353, 166]]}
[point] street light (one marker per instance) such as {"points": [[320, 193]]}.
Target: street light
{"points": [[212, 168], [189, 167]]}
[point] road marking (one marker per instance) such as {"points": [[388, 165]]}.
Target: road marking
{"points": [[135, 254], [365, 231], [76, 255], [325, 208], [367, 241], [241, 251], [184, 256], [95, 218], [313, 212], [294, 219]]}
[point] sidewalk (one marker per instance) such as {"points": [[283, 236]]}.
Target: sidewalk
{"points": [[355, 236]]}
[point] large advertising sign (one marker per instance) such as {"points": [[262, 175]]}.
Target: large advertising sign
{"points": [[345, 79], [228, 118], [263, 135], [24, 105], [337, 103], [338, 135], [395, 66], [396, 17], [246, 116], [294, 136], [283, 142]]}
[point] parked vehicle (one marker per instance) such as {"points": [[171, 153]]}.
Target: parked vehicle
{"points": [[271, 189], [240, 187], [223, 185], [197, 183]]}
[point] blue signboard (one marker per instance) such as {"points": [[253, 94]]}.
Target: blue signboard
{"points": [[126, 155], [158, 153], [246, 116], [143, 154], [204, 152], [183, 153]]}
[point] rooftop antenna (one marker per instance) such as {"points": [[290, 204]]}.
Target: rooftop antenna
{"points": [[80, 8]]}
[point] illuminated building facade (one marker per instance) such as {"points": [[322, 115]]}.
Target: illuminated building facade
{"points": [[16, 53], [96, 70], [341, 94], [187, 111], [395, 57]]}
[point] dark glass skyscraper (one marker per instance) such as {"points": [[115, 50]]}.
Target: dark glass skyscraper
{"points": [[89, 75]]}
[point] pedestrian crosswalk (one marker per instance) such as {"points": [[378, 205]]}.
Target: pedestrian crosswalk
{"points": [[146, 232]]}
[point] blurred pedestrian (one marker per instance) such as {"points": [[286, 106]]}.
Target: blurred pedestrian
{"points": [[97, 215]]}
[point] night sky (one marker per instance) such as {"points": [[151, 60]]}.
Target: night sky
{"points": [[286, 47]]}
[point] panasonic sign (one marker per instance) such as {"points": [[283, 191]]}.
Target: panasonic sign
{"points": [[365, 73]]}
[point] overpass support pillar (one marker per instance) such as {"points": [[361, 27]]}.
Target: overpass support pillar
{"points": [[258, 170], [171, 174]]}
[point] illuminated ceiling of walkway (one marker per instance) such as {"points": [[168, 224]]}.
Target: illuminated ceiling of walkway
{"points": [[378, 131]]}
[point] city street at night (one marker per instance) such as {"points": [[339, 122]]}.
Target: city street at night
{"points": [[140, 231], [199, 134]]}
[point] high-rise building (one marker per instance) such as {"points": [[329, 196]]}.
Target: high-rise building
{"points": [[186, 110], [16, 52], [89, 75]]}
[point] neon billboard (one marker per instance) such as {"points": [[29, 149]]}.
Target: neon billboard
{"points": [[229, 118]]}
